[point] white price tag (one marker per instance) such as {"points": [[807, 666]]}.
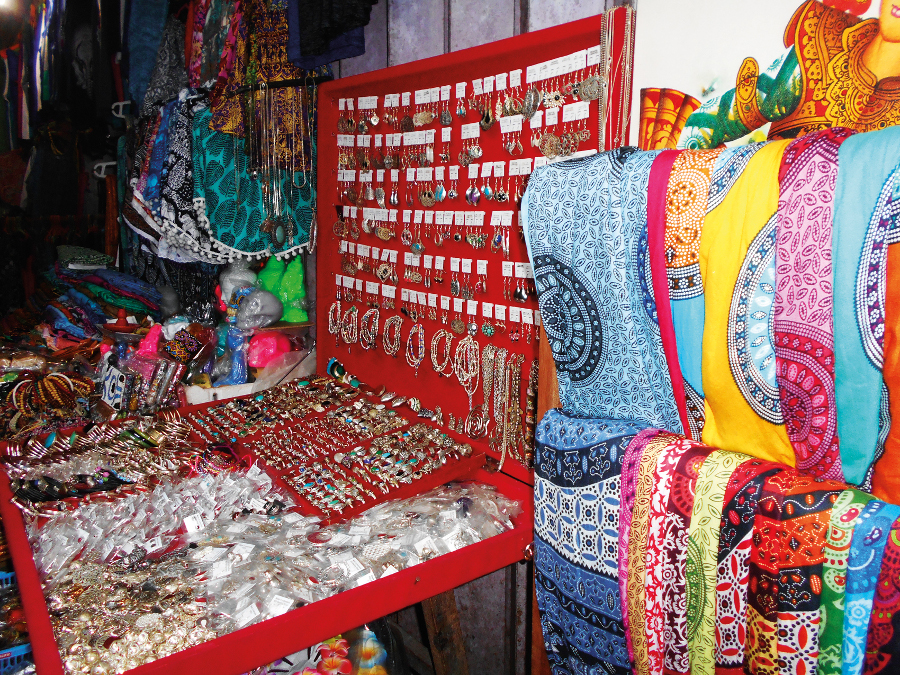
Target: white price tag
{"points": [[365, 578], [472, 307], [500, 312], [404, 97], [482, 266], [445, 92], [445, 135], [473, 170], [478, 87], [528, 316], [445, 302], [514, 315], [487, 310], [467, 265], [246, 615], [454, 173], [488, 84], [439, 263], [507, 268], [194, 523], [460, 90], [454, 264], [501, 81], [515, 78], [457, 304], [552, 116], [537, 120]]}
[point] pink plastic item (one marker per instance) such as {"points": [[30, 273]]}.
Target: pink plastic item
{"points": [[265, 347], [150, 345]]}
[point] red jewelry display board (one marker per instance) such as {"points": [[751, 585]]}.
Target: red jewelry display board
{"points": [[361, 231]]}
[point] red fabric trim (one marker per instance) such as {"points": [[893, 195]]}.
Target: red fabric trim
{"points": [[656, 244]]}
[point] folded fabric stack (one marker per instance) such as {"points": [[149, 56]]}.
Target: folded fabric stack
{"points": [[745, 300], [659, 554]]}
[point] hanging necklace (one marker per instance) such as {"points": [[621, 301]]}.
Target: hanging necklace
{"points": [[334, 318], [442, 334], [350, 326], [466, 366], [368, 329], [414, 358], [392, 343]]}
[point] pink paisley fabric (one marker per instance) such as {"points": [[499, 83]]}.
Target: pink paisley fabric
{"points": [[804, 336], [631, 465], [658, 544]]}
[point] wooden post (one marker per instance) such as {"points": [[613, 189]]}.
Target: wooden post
{"points": [[448, 650]]}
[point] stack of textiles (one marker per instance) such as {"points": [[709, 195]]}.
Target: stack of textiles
{"points": [[658, 554], [743, 299]]}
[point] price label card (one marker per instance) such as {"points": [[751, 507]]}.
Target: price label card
{"points": [[460, 218], [363, 250], [454, 173], [348, 282], [454, 264], [194, 523], [364, 140], [279, 604], [489, 85], [392, 215], [404, 295], [445, 92], [367, 102], [537, 318], [404, 97], [570, 112], [359, 284], [423, 96], [473, 170], [500, 81], [393, 256], [500, 312], [472, 307], [439, 263], [499, 169], [478, 87], [525, 166], [410, 175], [482, 267], [458, 304], [372, 287], [528, 316], [428, 261], [417, 219], [429, 135], [540, 161], [507, 268], [246, 615], [514, 315], [423, 298], [511, 124], [369, 576], [445, 302], [439, 217], [365, 176], [537, 120], [515, 78], [467, 265], [429, 217], [416, 261], [346, 212], [445, 135], [379, 175], [376, 252], [342, 104], [467, 131], [338, 279], [424, 173], [407, 215], [407, 258], [469, 219], [552, 116], [395, 175], [435, 94], [460, 90], [593, 55], [524, 271], [486, 169], [487, 310], [514, 167], [388, 291], [439, 173], [153, 545]]}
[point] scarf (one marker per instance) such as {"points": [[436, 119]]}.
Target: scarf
{"points": [[681, 506], [863, 569], [613, 363], [735, 540], [577, 493], [631, 465], [687, 195], [702, 554], [844, 516], [737, 248], [861, 219], [882, 648], [804, 342]]}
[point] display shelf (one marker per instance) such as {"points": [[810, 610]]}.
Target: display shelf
{"points": [[335, 261], [262, 643]]}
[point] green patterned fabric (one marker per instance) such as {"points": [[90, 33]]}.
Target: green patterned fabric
{"points": [[703, 547], [844, 515], [234, 206]]}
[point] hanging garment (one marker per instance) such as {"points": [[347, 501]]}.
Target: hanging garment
{"points": [[631, 465], [595, 286], [146, 21], [233, 206], [737, 263], [324, 22], [863, 216], [577, 492], [735, 542], [804, 337], [882, 647], [169, 76], [687, 196], [656, 247]]}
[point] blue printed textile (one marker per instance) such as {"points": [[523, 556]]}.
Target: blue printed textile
{"points": [[577, 493], [585, 225]]}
